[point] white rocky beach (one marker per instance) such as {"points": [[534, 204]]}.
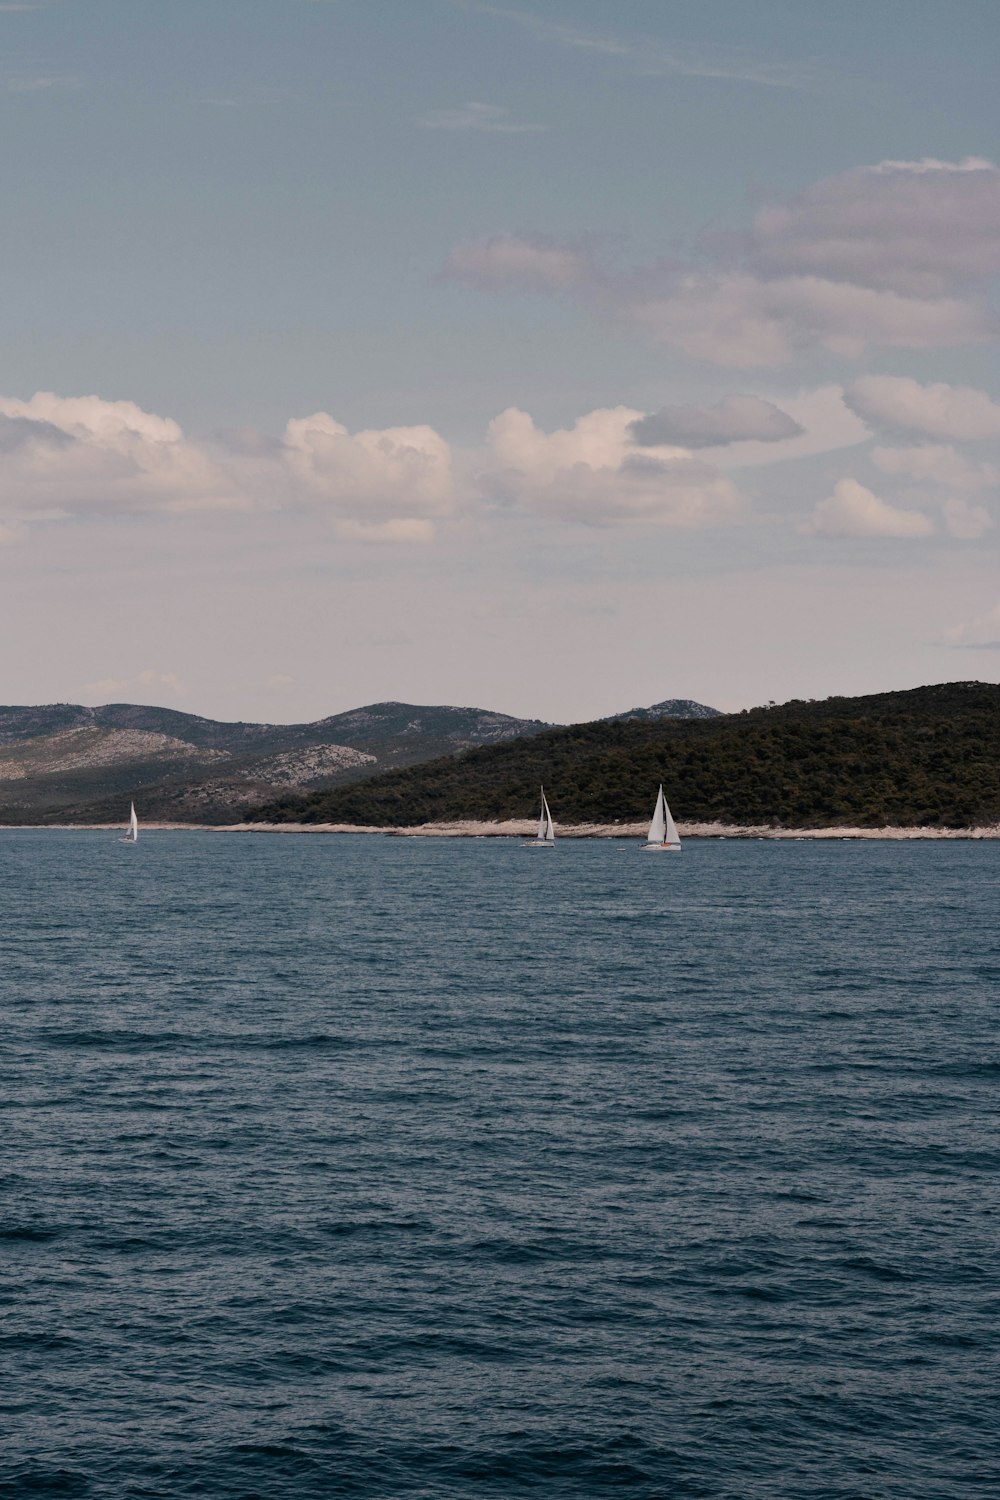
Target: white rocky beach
{"points": [[525, 828]]}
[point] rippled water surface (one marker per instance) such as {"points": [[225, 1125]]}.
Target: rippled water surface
{"points": [[399, 1167]]}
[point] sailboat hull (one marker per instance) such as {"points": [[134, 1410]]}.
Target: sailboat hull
{"points": [[539, 844], [661, 848]]}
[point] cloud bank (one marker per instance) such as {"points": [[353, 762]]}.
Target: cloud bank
{"points": [[591, 473], [896, 404], [65, 454], [895, 255], [64, 457]]}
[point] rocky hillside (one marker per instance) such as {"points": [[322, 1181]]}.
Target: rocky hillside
{"points": [[670, 708], [65, 762]]}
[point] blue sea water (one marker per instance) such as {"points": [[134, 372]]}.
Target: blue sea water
{"points": [[356, 1166]]}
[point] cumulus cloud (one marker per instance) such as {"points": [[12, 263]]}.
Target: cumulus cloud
{"points": [[896, 255], [734, 419], [591, 473], [519, 262], [63, 454], [853, 510], [931, 463], [382, 484], [896, 403]]}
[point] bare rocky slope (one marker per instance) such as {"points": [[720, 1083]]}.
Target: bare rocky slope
{"points": [[64, 762]]}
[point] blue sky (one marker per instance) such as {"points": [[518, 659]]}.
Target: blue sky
{"points": [[240, 233]]}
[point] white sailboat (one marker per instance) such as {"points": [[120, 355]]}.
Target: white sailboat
{"points": [[662, 830], [546, 836], [132, 836]]}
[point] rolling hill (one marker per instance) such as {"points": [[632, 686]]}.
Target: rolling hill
{"points": [[929, 756], [64, 762]]}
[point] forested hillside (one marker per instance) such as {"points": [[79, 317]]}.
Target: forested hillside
{"points": [[926, 756]]}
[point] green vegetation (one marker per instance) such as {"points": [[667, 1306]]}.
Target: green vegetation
{"points": [[930, 756]]}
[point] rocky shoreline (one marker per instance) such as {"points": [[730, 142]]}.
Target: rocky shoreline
{"points": [[521, 828], [525, 828]]}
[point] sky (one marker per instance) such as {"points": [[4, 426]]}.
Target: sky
{"points": [[554, 357]]}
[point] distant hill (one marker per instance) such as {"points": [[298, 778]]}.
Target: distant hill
{"points": [[65, 762], [927, 756], [670, 708]]}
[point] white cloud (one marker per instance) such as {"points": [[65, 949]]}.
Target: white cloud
{"points": [[740, 319], [896, 255], [896, 403], [853, 510], [517, 262], [933, 464], [591, 473], [489, 119], [732, 420], [381, 484], [63, 454]]}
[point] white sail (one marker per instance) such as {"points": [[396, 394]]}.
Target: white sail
{"points": [[546, 832], [658, 826], [662, 830], [546, 835], [543, 820], [133, 825]]}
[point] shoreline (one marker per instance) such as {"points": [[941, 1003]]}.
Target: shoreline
{"points": [[525, 829]]}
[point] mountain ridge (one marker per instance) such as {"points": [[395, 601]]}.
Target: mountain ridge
{"points": [[69, 761]]}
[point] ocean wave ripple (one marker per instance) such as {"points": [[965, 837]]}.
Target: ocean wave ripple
{"points": [[380, 1167]]}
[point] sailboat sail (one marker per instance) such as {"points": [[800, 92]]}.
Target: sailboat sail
{"points": [[658, 826], [662, 830], [133, 826], [546, 835]]}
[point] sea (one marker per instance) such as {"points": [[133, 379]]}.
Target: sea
{"points": [[381, 1167]]}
